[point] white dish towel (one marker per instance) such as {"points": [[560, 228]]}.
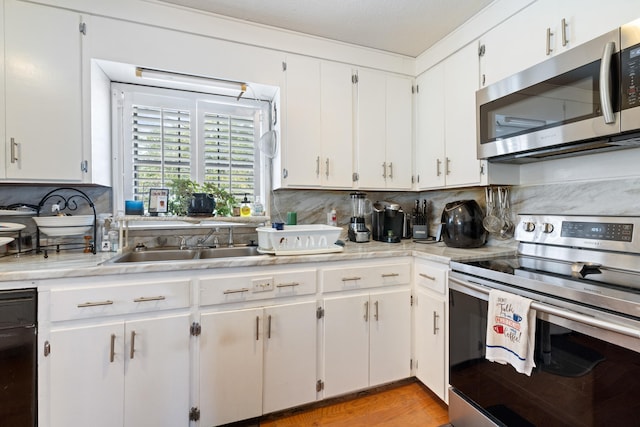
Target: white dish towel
{"points": [[511, 330]]}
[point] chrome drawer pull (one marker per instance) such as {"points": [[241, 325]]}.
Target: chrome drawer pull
{"points": [[427, 276], [95, 303], [235, 291], [435, 323], [390, 275], [146, 299], [287, 285], [350, 279]]}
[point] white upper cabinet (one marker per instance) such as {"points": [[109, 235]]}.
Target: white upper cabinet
{"points": [[318, 140], [547, 28], [384, 137], [43, 93], [446, 131]]}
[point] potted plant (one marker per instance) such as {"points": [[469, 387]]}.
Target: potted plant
{"points": [[183, 190]]}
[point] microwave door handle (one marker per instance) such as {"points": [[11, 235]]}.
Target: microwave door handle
{"points": [[605, 83]]}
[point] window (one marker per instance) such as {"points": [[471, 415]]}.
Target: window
{"points": [[167, 134]]}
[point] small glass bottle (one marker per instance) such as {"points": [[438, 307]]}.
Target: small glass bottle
{"points": [[258, 208]]}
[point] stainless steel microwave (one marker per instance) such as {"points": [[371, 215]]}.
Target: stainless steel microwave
{"points": [[581, 101]]}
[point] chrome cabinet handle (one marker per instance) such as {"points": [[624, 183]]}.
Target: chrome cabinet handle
{"points": [[327, 168], [426, 276], [384, 170], [390, 170], [287, 285], [447, 169], [549, 34], [47, 348], [366, 311], [605, 83], [390, 275], [147, 299], [435, 323], [257, 328], [14, 150], [269, 327], [318, 166], [438, 163], [375, 314], [564, 32], [235, 291], [112, 352], [95, 303], [133, 344], [350, 279]]}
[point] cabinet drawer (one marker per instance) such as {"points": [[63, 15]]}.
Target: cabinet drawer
{"points": [[69, 304], [431, 276], [238, 288], [365, 276]]}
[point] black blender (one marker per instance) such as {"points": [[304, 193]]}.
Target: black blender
{"points": [[360, 206]]}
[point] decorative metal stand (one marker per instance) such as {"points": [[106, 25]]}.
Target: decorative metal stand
{"points": [[67, 203]]}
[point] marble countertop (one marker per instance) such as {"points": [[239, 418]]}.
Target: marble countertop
{"points": [[28, 267]]}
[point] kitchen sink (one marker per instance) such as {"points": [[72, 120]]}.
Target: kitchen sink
{"points": [[163, 255]]}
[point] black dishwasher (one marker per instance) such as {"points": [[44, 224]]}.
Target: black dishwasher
{"points": [[18, 365]]}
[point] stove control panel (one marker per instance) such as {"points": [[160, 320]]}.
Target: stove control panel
{"points": [[597, 230], [615, 233]]}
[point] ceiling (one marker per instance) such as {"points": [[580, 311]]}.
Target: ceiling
{"points": [[407, 27]]}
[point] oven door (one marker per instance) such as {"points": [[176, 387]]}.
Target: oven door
{"points": [[579, 380], [565, 100]]}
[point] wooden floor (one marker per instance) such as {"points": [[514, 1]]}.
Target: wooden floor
{"points": [[407, 404]]}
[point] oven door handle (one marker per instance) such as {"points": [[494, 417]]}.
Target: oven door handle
{"points": [[566, 314]]}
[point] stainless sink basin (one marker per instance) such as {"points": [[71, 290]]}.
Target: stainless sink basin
{"points": [[228, 252], [163, 255]]}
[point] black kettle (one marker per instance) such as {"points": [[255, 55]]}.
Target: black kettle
{"points": [[462, 225]]}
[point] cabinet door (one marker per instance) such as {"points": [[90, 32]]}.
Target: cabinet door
{"points": [[390, 341], [231, 349], [87, 376], [43, 93], [157, 372], [430, 129], [430, 342], [302, 141], [399, 140], [371, 123], [462, 166], [336, 163], [289, 356], [346, 344]]}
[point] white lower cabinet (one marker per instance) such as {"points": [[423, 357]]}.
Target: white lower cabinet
{"points": [[430, 317], [121, 373], [115, 352], [366, 340], [256, 360]]}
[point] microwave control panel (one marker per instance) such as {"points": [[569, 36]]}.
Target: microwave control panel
{"points": [[630, 77]]}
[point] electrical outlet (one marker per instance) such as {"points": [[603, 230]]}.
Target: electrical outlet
{"points": [[263, 284]]}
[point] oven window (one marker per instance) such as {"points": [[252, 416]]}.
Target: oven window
{"points": [[578, 380], [567, 98]]}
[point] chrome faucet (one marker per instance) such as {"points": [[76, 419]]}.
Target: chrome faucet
{"points": [[200, 242]]}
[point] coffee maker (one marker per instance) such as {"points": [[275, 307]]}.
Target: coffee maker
{"points": [[360, 206], [388, 222]]}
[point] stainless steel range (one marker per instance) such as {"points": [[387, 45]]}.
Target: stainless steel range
{"points": [[583, 274]]}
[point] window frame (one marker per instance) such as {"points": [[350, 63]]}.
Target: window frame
{"points": [[124, 96]]}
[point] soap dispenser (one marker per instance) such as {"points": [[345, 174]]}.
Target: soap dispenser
{"points": [[245, 207]]}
